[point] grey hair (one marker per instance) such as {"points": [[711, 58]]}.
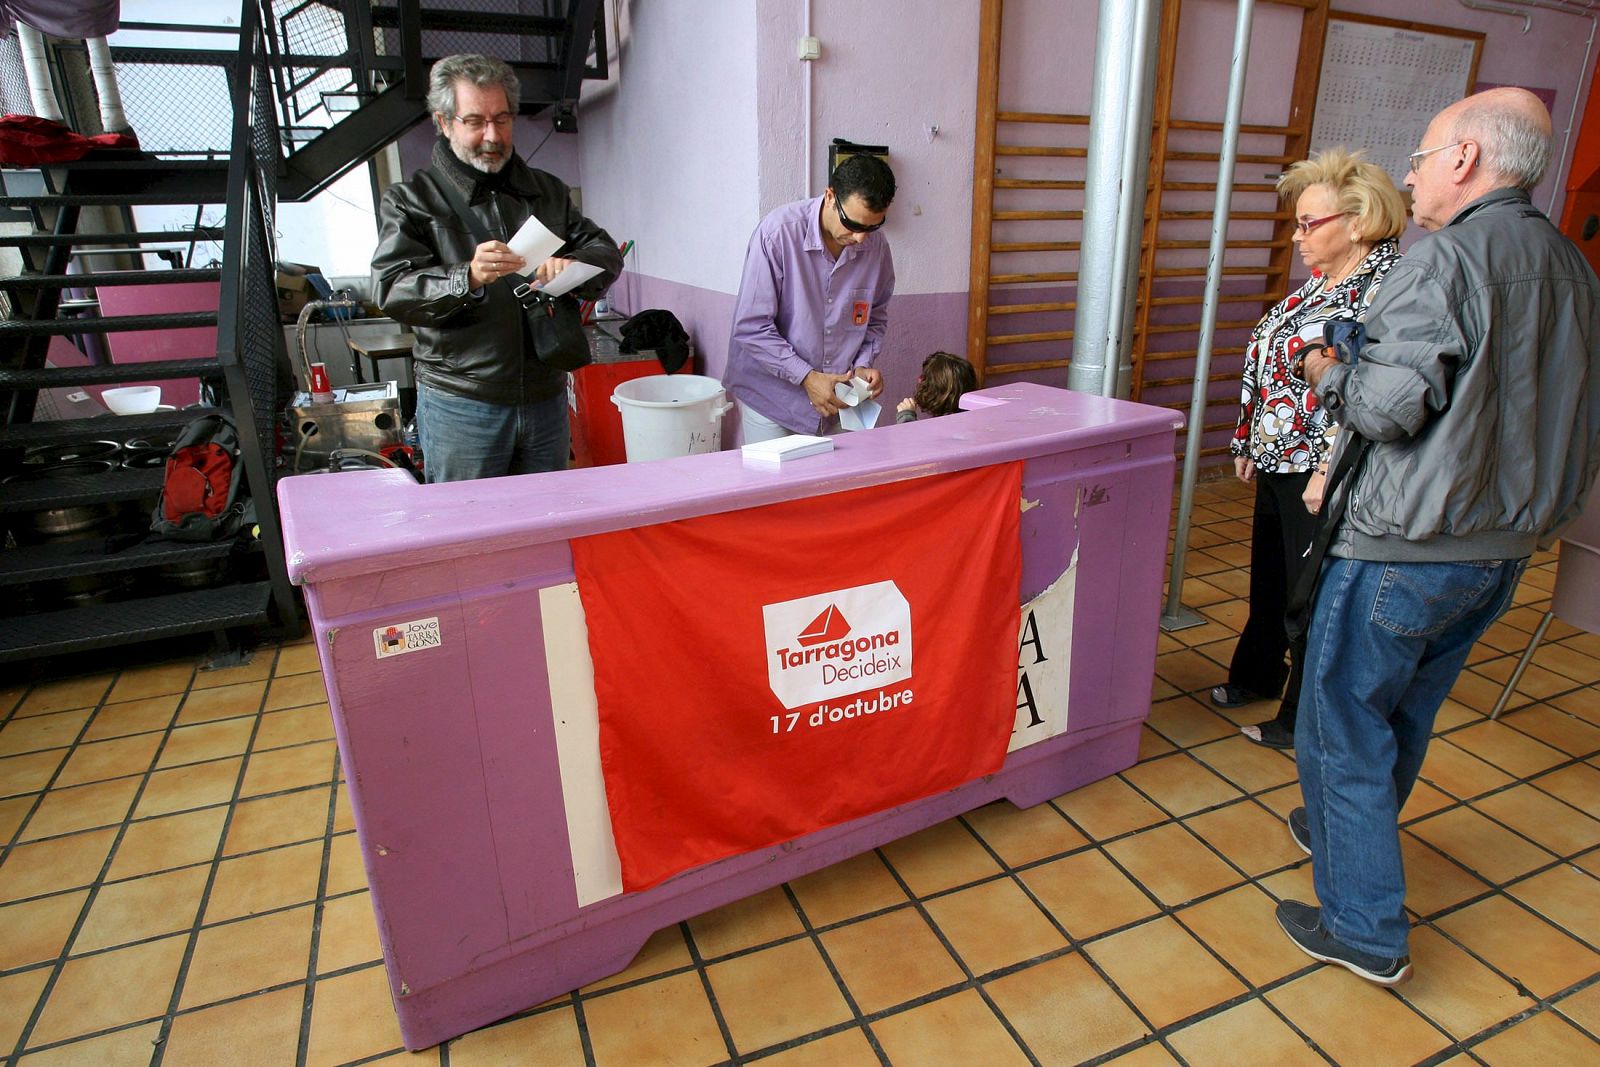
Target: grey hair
{"points": [[482, 71], [1514, 146]]}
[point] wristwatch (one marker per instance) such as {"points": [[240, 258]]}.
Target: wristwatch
{"points": [[1298, 367]]}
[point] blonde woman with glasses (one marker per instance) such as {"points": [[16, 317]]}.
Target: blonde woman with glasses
{"points": [[1348, 215]]}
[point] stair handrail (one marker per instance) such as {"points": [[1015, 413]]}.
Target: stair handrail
{"points": [[250, 346]]}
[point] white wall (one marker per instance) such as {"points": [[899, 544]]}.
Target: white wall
{"points": [[669, 154], [889, 71]]}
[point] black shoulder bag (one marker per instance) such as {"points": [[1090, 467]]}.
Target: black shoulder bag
{"points": [[1344, 339], [553, 321]]}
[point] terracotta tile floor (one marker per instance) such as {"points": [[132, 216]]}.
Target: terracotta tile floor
{"points": [[180, 885]]}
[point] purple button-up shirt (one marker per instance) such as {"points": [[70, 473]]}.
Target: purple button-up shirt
{"points": [[799, 310]]}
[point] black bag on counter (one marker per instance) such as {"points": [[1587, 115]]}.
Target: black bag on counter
{"points": [[554, 322], [557, 329]]}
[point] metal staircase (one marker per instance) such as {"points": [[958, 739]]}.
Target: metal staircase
{"points": [[89, 579]]}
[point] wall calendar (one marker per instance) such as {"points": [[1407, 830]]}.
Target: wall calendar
{"points": [[1383, 80]]}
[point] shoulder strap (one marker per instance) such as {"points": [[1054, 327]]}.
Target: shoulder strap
{"points": [[525, 294], [1304, 593], [459, 206]]}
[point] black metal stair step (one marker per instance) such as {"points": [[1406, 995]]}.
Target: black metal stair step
{"points": [[80, 629], [111, 277], [66, 559], [110, 373], [46, 493], [123, 181], [132, 198], [176, 320], [57, 240], [102, 427]]}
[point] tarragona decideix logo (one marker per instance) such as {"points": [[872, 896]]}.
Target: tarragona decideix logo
{"points": [[828, 638], [836, 643]]}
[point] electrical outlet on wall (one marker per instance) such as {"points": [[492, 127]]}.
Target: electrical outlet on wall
{"points": [[809, 48]]}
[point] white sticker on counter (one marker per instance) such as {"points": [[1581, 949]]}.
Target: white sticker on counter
{"points": [[596, 870], [403, 637], [1044, 658]]}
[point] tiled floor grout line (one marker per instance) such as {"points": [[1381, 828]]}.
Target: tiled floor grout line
{"points": [[1076, 944], [944, 940], [218, 854], [1173, 911], [55, 775], [833, 970], [318, 908], [64, 955], [711, 994]]}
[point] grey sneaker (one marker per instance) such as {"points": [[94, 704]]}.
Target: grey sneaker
{"points": [[1300, 829], [1303, 924]]}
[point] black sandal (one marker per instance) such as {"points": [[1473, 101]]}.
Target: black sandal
{"points": [[1272, 734], [1232, 696]]}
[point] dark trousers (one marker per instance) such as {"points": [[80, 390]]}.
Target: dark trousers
{"points": [[1281, 530]]}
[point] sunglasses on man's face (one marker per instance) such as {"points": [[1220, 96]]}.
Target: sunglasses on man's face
{"points": [[851, 224]]}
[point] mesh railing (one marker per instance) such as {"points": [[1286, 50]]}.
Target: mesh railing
{"points": [[169, 97], [14, 98], [260, 337]]}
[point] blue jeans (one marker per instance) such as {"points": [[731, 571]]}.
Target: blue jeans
{"points": [[463, 438], [1386, 643]]}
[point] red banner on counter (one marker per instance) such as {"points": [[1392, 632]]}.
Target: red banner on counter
{"points": [[773, 671]]}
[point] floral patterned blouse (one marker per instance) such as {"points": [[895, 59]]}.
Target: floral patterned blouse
{"points": [[1281, 425]]}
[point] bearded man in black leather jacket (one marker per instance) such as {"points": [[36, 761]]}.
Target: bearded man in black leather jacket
{"points": [[486, 405]]}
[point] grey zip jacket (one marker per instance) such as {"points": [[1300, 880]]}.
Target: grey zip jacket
{"points": [[471, 342], [1480, 390]]}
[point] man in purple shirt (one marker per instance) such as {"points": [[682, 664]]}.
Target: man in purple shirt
{"points": [[812, 304]]}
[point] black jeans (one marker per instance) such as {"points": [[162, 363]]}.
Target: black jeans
{"points": [[1281, 530]]}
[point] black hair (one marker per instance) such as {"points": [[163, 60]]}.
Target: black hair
{"points": [[865, 176], [945, 377]]}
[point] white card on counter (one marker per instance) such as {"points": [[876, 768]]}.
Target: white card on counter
{"points": [[572, 275], [779, 450], [535, 244], [864, 416]]}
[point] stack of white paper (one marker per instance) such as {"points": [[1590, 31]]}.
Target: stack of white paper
{"points": [[779, 450]]}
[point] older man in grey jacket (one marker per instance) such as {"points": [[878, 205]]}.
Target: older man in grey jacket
{"points": [[1475, 411]]}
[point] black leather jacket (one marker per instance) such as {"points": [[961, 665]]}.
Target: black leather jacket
{"points": [[473, 343]]}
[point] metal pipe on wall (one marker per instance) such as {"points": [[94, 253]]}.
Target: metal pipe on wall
{"points": [[1108, 118], [1174, 617], [37, 70], [1130, 204], [104, 71]]}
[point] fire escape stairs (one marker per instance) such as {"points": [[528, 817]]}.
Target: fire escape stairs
{"points": [[100, 589]]}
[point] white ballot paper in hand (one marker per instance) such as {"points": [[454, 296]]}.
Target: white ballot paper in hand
{"points": [[571, 276], [864, 416], [535, 244]]}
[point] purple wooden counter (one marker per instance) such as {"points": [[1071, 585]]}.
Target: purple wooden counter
{"points": [[474, 792]]}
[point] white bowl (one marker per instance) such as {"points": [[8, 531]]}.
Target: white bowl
{"points": [[132, 399]]}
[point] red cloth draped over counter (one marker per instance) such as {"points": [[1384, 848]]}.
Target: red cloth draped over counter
{"points": [[765, 673]]}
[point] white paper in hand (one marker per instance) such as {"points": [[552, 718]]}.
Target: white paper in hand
{"points": [[864, 416], [534, 244], [571, 276]]}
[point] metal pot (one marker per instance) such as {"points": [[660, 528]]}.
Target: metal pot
{"points": [[57, 593], [143, 458], [159, 440], [54, 455], [195, 574], [78, 522]]}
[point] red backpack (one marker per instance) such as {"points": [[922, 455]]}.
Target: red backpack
{"points": [[200, 492]]}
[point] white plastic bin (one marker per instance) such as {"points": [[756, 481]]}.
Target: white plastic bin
{"points": [[670, 415]]}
